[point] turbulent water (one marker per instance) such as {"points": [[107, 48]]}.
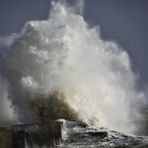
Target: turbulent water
{"points": [[64, 54], [78, 134]]}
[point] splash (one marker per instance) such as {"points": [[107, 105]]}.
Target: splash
{"points": [[7, 113], [64, 54]]}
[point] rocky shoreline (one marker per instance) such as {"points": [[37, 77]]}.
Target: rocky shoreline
{"points": [[66, 134]]}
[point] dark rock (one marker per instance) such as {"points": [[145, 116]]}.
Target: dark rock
{"points": [[100, 134], [40, 134]]}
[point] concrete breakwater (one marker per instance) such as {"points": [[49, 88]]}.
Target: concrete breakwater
{"points": [[31, 135]]}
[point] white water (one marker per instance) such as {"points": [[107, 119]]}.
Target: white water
{"points": [[65, 54]]}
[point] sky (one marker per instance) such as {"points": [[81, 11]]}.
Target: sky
{"points": [[123, 21]]}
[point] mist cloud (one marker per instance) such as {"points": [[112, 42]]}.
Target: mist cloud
{"points": [[65, 54]]}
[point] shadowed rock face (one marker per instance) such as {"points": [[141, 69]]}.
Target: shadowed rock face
{"points": [[6, 138], [22, 136]]}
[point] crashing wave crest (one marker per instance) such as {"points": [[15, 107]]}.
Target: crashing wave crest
{"points": [[64, 54]]}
